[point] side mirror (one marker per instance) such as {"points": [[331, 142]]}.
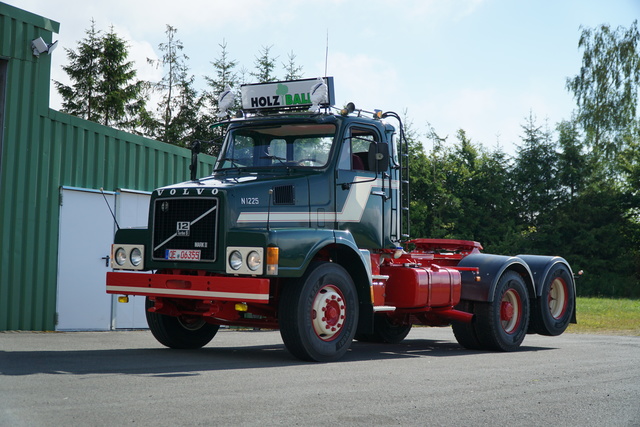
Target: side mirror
{"points": [[379, 156]]}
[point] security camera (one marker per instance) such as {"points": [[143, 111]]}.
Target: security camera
{"points": [[40, 46], [52, 46]]}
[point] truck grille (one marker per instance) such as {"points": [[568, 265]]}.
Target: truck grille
{"points": [[185, 224]]}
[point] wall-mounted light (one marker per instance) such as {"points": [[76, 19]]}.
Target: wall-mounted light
{"points": [[40, 46]]}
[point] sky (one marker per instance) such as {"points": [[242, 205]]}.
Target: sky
{"points": [[479, 65]]}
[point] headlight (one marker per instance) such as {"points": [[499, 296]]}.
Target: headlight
{"points": [[254, 260], [135, 257], [245, 260], [127, 256], [121, 256], [235, 260]]}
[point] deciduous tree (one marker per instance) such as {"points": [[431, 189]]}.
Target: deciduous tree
{"points": [[606, 88]]}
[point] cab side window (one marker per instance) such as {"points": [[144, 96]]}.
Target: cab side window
{"points": [[355, 150]]}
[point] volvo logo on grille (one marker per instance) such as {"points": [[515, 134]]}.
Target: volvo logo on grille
{"points": [[183, 228]]}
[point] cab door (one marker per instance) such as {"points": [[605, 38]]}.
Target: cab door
{"points": [[361, 202]]}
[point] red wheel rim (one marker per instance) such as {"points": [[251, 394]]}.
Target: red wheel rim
{"points": [[510, 311], [328, 313], [557, 299]]}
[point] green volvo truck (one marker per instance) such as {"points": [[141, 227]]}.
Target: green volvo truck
{"points": [[303, 226]]}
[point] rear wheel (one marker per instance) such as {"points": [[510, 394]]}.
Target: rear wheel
{"points": [[503, 323], [553, 309], [184, 332], [318, 316]]}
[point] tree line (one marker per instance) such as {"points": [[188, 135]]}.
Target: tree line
{"points": [[572, 188]]}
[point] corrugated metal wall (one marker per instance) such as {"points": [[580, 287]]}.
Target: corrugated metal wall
{"points": [[43, 150]]}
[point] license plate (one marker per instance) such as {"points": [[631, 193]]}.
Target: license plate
{"points": [[182, 255]]}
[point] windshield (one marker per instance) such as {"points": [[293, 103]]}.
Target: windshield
{"points": [[291, 145]]}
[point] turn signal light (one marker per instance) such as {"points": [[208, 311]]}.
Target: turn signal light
{"points": [[273, 256], [123, 299]]}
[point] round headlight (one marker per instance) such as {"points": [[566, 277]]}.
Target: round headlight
{"points": [[235, 260], [253, 260], [135, 257], [121, 256]]}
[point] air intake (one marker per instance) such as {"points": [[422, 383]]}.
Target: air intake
{"points": [[283, 195]]}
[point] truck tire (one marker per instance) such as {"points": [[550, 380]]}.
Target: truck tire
{"points": [[318, 316], [465, 333], [180, 332], [385, 330], [553, 309], [503, 324]]}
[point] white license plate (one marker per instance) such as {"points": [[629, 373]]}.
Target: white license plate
{"points": [[182, 255]]}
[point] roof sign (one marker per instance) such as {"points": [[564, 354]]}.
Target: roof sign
{"points": [[293, 94]]}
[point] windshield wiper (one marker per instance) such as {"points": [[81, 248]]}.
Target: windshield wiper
{"points": [[271, 157], [233, 163]]}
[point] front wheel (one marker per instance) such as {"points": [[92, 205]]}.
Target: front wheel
{"points": [[386, 330], [318, 316], [465, 332], [502, 324], [183, 332]]}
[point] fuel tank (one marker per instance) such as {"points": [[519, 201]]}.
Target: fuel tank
{"points": [[415, 287]]}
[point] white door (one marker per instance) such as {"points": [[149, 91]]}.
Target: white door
{"points": [[132, 211], [85, 236]]}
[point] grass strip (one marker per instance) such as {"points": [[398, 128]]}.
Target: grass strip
{"points": [[607, 316]]}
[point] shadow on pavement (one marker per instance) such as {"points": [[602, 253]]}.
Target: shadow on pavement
{"points": [[165, 362]]}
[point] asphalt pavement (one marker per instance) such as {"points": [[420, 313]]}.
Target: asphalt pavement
{"points": [[248, 378]]}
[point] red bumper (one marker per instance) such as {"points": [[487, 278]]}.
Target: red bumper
{"points": [[243, 289]]}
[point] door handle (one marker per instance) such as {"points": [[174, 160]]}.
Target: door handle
{"points": [[106, 260]]}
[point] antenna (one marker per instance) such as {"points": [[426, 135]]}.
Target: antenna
{"points": [[326, 55], [269, 208], [109, 206]]}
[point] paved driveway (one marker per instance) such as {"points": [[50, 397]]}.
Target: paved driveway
{"points": [[248, 378]]}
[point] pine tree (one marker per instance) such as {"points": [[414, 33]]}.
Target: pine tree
{"points": [[104, 87], [573, 173], [81, 97], [535, 173], [225, 75], [121, 99], [264, 66], [179, 108], [292, 70]]}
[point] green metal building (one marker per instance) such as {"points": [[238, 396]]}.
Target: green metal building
{"points": [[42, 152]]}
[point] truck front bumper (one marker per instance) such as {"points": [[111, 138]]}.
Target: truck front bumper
{"points": [[220, 288]]}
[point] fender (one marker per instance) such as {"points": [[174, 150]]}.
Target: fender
{"points": [[342, 245], [292, 244], [491, 269], [298, 248], [358, 264], [346, 238], [540, 266]]}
